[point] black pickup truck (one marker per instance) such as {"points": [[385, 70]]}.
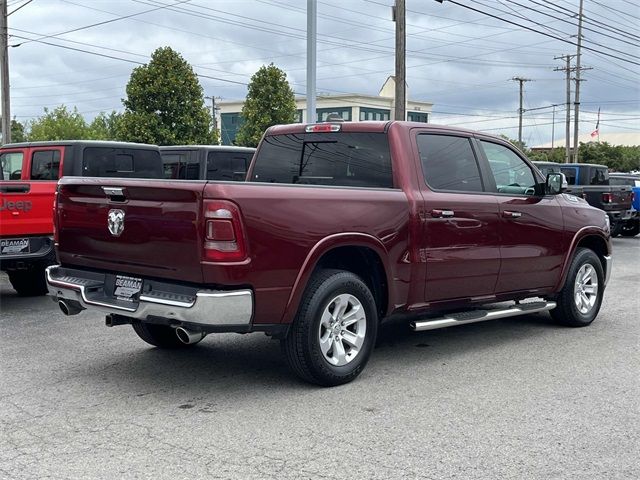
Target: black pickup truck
{"points": [[206, 162], [591, 182]]}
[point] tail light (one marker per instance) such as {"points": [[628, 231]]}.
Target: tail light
{"points": [[56, 235], [223, 233], [607, 198]]}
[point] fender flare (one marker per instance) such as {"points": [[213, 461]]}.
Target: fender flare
{"points": [[345, 239], [577, 238]]}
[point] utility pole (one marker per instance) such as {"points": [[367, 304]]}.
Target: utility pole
{"points": [[312, 33], [213, 111], [553, 126], [576, 121], [4, 74], [401, 70], [567, 69], [521, 81]]}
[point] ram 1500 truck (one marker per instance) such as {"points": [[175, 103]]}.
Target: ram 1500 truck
{"points": [[29, 173], [339, 227], [206, 162]]}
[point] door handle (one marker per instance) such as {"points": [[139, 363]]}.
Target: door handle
{"points": [[509, 214], [21, 188], [442, 213]]}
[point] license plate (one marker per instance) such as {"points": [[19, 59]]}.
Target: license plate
{"points": [[14, 246], [127, 288]]}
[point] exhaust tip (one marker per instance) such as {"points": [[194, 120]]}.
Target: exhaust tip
{"points": [[69, 307], [189, 337]]}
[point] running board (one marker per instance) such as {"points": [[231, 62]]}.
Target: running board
{"points": [[473, 316]]}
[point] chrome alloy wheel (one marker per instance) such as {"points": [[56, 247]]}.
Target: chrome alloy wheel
{"points": [[342, 329], [585, 290]]}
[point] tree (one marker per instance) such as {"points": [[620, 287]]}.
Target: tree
{"points": [[58, 124], [165, 103], [17, 132], [270, 101], [104, 126]]}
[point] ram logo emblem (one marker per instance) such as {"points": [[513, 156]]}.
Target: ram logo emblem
{"points": [[115, 222]]}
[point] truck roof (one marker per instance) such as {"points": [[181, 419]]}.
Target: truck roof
{"points": [[373, 126], [92, 143], [221, 148]]}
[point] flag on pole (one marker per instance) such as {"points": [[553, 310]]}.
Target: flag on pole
{"points": [[596, 132]]}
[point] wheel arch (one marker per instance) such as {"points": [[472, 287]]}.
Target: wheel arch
{"points": [[595, 240], [361, 254]]}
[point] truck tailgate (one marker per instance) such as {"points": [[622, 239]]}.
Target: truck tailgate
{"points": [[161, 234]]}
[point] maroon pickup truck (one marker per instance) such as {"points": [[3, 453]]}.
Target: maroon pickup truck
{"points": [[339, 227]]}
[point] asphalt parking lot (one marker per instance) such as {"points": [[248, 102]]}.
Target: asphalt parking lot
{"points": [[516, 398]]}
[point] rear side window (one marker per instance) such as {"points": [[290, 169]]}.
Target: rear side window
{"points": [[336, 159], [45, 165], [11, 165], [599, 176], [121, 163], [448, 163], [180, 165], [228, 165]]}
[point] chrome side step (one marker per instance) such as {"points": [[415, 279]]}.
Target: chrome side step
{"points": [[473, 316]]}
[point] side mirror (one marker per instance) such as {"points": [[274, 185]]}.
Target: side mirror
{"points": [[556, 183]]}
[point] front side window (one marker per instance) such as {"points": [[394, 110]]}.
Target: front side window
{"points": [[448, 163], [511, 173], [11, 165], [45, 165], [231, 166], [336, 159]]}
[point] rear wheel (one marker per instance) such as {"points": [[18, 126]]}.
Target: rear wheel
{"points": [[334, 332], [161, 336], [580, 299], [29, 283]]}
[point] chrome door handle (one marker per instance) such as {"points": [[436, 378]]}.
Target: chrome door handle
{"points": [[508, 214], [442, 213]]}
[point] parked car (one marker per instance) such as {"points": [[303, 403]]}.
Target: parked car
{"points": [[548, 167], [206, 162], [29, 173], [631, 228], [339, 226], [591, 182]]}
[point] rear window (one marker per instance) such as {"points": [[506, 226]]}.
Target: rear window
{"points": [[228, 165], [570, 174], [45, 165], [180, 165], [121, 163], [11, 165], [599, 176], [336, 159], [630, 181]]}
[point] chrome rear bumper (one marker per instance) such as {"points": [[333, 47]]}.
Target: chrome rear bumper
{"points": [[165, 300]]}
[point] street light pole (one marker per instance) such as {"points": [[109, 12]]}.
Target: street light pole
{"points": [[312, 32], [4, 74]]}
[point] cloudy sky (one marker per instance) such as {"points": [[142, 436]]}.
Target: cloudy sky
{"points": [[81, 53]]}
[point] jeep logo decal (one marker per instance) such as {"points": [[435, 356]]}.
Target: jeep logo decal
{"points": [[115, 222], [23, 205]]}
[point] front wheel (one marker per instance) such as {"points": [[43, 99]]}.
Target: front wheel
{"points": [[581, 296], [334, 332], [631, 228]]}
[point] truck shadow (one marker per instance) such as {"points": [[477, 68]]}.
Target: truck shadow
{"points": [[253, 366]]}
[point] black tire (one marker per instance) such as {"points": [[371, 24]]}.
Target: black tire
{"points": [[631, 228], [302, 344], [616, 229], [29, 283], [161, 336], [568, 312]]}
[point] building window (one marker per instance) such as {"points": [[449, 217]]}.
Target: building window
{"points": [[229, 125], [344, 112], [374, 114], [418, 117], [298, 117]]}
